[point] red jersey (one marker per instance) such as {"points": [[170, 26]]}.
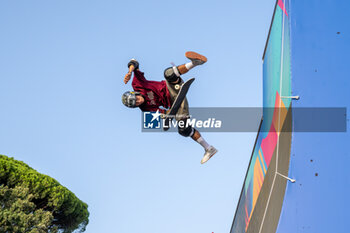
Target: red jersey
{"points": [[155, 93]]}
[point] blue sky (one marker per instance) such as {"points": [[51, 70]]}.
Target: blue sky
{"points": [[61, 69]]}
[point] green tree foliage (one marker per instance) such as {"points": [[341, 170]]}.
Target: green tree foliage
{"points": [[33, 202], [19, 214]]}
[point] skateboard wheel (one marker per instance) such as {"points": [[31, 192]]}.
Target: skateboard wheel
{"points": [[177, 87]]}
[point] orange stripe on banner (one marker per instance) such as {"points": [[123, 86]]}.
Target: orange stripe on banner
{"points": [[246, 218], [246, 214], [258, 179], [261, 179], [260, 175], [255, 186], [280, 112], [250, 216], [262, 161]]}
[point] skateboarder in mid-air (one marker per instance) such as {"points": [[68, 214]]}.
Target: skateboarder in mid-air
{"points": [[154, 96]]}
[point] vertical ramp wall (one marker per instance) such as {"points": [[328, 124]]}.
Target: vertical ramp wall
{"points": [[306, 54], [263, 190], [320, 38]]}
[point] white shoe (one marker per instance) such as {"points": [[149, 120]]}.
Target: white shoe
{"points": [[208, 154]]}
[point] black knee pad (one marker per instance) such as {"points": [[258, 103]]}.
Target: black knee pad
{"points": [[185, 131], [170, 75]]}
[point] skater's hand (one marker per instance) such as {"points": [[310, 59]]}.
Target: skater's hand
{"points": [[127, 77]]}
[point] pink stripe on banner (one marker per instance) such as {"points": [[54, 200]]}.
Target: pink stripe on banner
{"points": [[268, 145], [281, 4]]}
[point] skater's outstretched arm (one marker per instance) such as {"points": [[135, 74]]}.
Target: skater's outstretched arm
{"points": [[133, 65]]}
